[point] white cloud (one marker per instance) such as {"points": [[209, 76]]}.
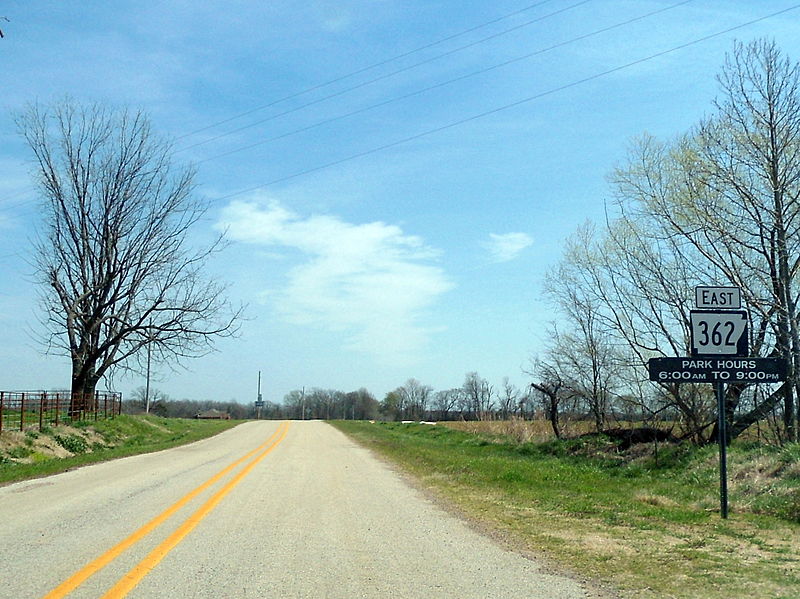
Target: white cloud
{"points": [[506, 247], [371, 281]]}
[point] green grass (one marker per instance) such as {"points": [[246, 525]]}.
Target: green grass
{"points": [[648, 527], [118, 437]]}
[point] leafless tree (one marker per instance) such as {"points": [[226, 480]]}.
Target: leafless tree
{"points": [[445, 402], [113, 255], [414, 398], [479, 396], [549, 385], [508, 399], [583, 352], [140, 399]]}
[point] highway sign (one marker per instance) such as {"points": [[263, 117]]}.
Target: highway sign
{"points": [[718, 298], [717, 370], [719, 333]]}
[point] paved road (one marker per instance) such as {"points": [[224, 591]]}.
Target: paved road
{"points": [[310, 514]]}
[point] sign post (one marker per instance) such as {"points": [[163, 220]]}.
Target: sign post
{"points": [[719, 355], [722, 433]]}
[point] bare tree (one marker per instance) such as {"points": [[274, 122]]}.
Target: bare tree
{"points": [[140, 399], [414, 398], [550, 387], [479, 396], [508, 399], [584, 354], [113, 255], [445, 402]]}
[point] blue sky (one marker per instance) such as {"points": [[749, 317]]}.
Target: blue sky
{"points": [[380, 227]]}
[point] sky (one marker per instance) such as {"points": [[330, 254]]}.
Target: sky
{"points": [[395, 177]]}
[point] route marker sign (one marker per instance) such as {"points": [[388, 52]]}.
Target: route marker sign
{"points": [[718, 298], [719, 333]]}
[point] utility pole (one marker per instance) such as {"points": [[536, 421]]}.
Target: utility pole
{"points": [[147, 383], [259, 401]]}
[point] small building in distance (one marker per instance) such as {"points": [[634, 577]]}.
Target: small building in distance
{"points": [[213, 415]]}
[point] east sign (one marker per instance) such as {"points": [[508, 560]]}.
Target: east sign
{"points": [[718, 298]]}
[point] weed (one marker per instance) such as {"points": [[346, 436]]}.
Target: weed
{"points": [[20, 452], [72, 443]]}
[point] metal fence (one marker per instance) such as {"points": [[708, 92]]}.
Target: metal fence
{"points": [[21, 410]]}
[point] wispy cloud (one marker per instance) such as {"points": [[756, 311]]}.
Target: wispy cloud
{"points": [[371, 281], [506, 247]]}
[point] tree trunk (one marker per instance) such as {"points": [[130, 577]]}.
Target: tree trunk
{"points": [[760, 412], [84, 385]]}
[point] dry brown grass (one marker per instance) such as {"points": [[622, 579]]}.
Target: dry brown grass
{"points": [[526, 431], [521, 431]]}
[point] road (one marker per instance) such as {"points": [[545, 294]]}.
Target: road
{"points": [[309, 514]]}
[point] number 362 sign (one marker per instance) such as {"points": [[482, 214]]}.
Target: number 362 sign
{"points": [[719, 333]]}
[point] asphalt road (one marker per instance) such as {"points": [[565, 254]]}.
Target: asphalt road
{"points": [[310, 514]]}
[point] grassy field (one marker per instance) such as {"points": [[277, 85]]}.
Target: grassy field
{"points": [[56, 449], [648, 527]]}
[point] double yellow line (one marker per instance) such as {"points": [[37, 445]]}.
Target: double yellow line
{"points": [[138, 572]]}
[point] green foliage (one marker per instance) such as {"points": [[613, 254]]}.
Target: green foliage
{"points": [[72, 443], [20, 452]]}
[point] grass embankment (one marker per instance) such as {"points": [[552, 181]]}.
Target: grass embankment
{"points": [[56, 449], [649, 528]]}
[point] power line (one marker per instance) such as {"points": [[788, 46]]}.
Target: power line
{"points": [[368, 68], [505, 106], [444, 83], [381, 77]]}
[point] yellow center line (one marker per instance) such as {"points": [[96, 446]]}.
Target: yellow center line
{"points": [[74, 581], [129, 581]]}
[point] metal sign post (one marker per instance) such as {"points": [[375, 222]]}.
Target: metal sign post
{"points": [[722, 434]]}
